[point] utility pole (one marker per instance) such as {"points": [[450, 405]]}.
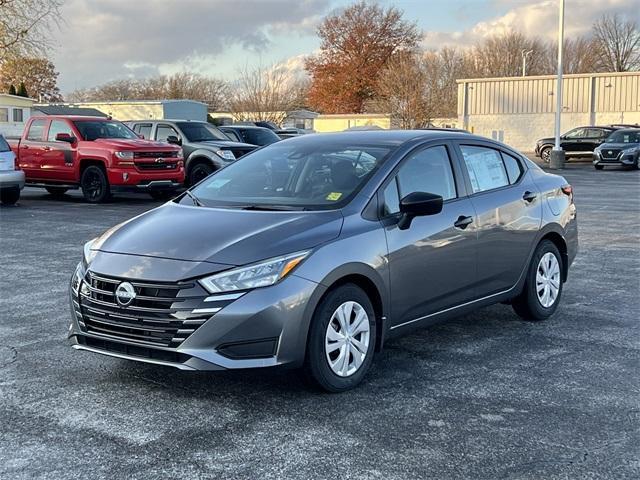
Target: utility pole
{"points": [[557, 154], [525, 53]]}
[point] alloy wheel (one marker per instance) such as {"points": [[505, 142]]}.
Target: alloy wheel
{"points": [[93, 185], [548, 280], [347, 339]]}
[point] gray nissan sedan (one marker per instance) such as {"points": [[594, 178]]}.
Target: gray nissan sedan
{"points": [[314, 251]]}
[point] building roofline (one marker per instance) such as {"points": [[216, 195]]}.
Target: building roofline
{"points": [[18, 97], [120, 102], [548, 77]]}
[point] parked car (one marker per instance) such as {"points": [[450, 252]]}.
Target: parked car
{"points": [[259, 123], [259, 136], [11, 178], [622, 147], [579, 141], [315, 251], [290, 132], [98, 155], [205, 148]]}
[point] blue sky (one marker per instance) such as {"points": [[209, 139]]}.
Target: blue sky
{"points": [[103, 40]]}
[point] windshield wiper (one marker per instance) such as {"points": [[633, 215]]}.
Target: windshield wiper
{"points": [[194, 199]]}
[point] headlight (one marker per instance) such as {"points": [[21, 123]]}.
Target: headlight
{"points": [[257, 275], [89, 254], [179, 154], [124, 155], [632, 150], [226, 154]]}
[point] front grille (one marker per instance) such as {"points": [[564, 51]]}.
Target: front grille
{"points": [[133, 350], [610, 153], [154, 155], [156, 166], [161, 314]]}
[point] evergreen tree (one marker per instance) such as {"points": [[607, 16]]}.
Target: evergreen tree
{"points": [[12, 90], [22, 90]]}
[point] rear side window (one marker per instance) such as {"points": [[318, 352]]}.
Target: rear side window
{"points": [[4, 146], [36, 130], [485, 167], [513, 166], [56, 127]]}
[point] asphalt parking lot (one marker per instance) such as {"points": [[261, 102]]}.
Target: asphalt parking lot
{"points": [[486, 396]]}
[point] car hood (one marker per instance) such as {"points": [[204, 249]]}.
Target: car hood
{"points": [[619, 146], [546, 140], [134, 143], [221, 236], [216, 144]]}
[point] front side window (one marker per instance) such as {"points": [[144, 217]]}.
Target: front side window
{"points": [[427, 171], [576, 133], [91, 130], [56, 127], [485, 167], [200, 132], [143, 129], [312, 175], [165, 131], [36, 129]]}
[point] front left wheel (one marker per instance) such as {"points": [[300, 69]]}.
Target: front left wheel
{"points": [[95, 185], [341, 339]]}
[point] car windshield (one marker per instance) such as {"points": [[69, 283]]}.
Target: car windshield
{"points": [[290, 176], [260, 136], [624, 136], [201, 132], [93, 129]]}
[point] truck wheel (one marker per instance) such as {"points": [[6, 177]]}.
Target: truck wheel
{"points": [[162, 194], [198, 172], [10, 196], [545, 154], [56, 191], [342, 337], [94, 183]]}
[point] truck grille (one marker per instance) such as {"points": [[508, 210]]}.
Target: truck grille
{"points": [[156, 166], [159, 315], [154, 155]]}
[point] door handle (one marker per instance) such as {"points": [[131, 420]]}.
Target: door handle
{"points": [[463, 222], [46, 148], [25, 147], [529, 196]]}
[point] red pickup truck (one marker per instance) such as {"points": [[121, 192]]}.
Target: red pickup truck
{"points": [[98, 155]]}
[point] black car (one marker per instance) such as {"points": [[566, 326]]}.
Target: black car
{"points": [[580, 141], [622, 147], [205, 148], [250, 134]]}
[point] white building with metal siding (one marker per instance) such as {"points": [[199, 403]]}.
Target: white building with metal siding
{"points": [[519, 110]]}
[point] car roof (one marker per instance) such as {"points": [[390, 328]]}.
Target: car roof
{"points": [[72, 117], [386, 137], [246, 127]]}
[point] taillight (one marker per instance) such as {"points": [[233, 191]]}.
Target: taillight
{"points": [[568, 191]]}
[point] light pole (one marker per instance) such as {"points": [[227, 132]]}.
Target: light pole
{"points": [[525, 53], [557, 154]]}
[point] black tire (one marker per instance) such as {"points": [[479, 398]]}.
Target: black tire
{"points": [[94, 184], [9, 196], [636, 164], [545, 154], [528, 305], [56, 191], [162, 194], [599, 167], [198, 172], [316, 366]]}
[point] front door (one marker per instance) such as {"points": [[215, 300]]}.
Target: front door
{"points": [[432, 264], [509, 211], [58, 157]]}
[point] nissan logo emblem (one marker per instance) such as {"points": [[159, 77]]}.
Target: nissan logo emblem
{"points": [[125, 293], [610, 152]]}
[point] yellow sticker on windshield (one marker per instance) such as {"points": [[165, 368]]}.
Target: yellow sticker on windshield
{"points": [[334, 196]]}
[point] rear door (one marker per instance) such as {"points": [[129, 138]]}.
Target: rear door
{"points": [[509, 212], [58, 158], [432, 264], [31, 149]]}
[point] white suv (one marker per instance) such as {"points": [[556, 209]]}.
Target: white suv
{"points": [[11, 179]]}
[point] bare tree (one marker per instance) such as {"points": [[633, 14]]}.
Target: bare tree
{"points": [[501, 56], [265, 93], [617, 42], [26, 25], [580, 56]]}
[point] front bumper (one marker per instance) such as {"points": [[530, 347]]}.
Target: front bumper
{"points": [[265, 327], [622, 158], [11, 179], [132, 179]]}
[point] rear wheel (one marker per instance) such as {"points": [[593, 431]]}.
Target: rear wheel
{"points": [[199, 171], [56, 191], [94, 183], [9, 196], [545, 154], [543, 287], [341, 339]]}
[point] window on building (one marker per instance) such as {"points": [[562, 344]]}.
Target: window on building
{"points": [[36, 130], [485, 167], [4, 114], [18, 115]]}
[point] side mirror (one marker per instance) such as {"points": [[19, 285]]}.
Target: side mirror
{"points": [[65, 137], [418, 204], [140, 136], [172, 139]]}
